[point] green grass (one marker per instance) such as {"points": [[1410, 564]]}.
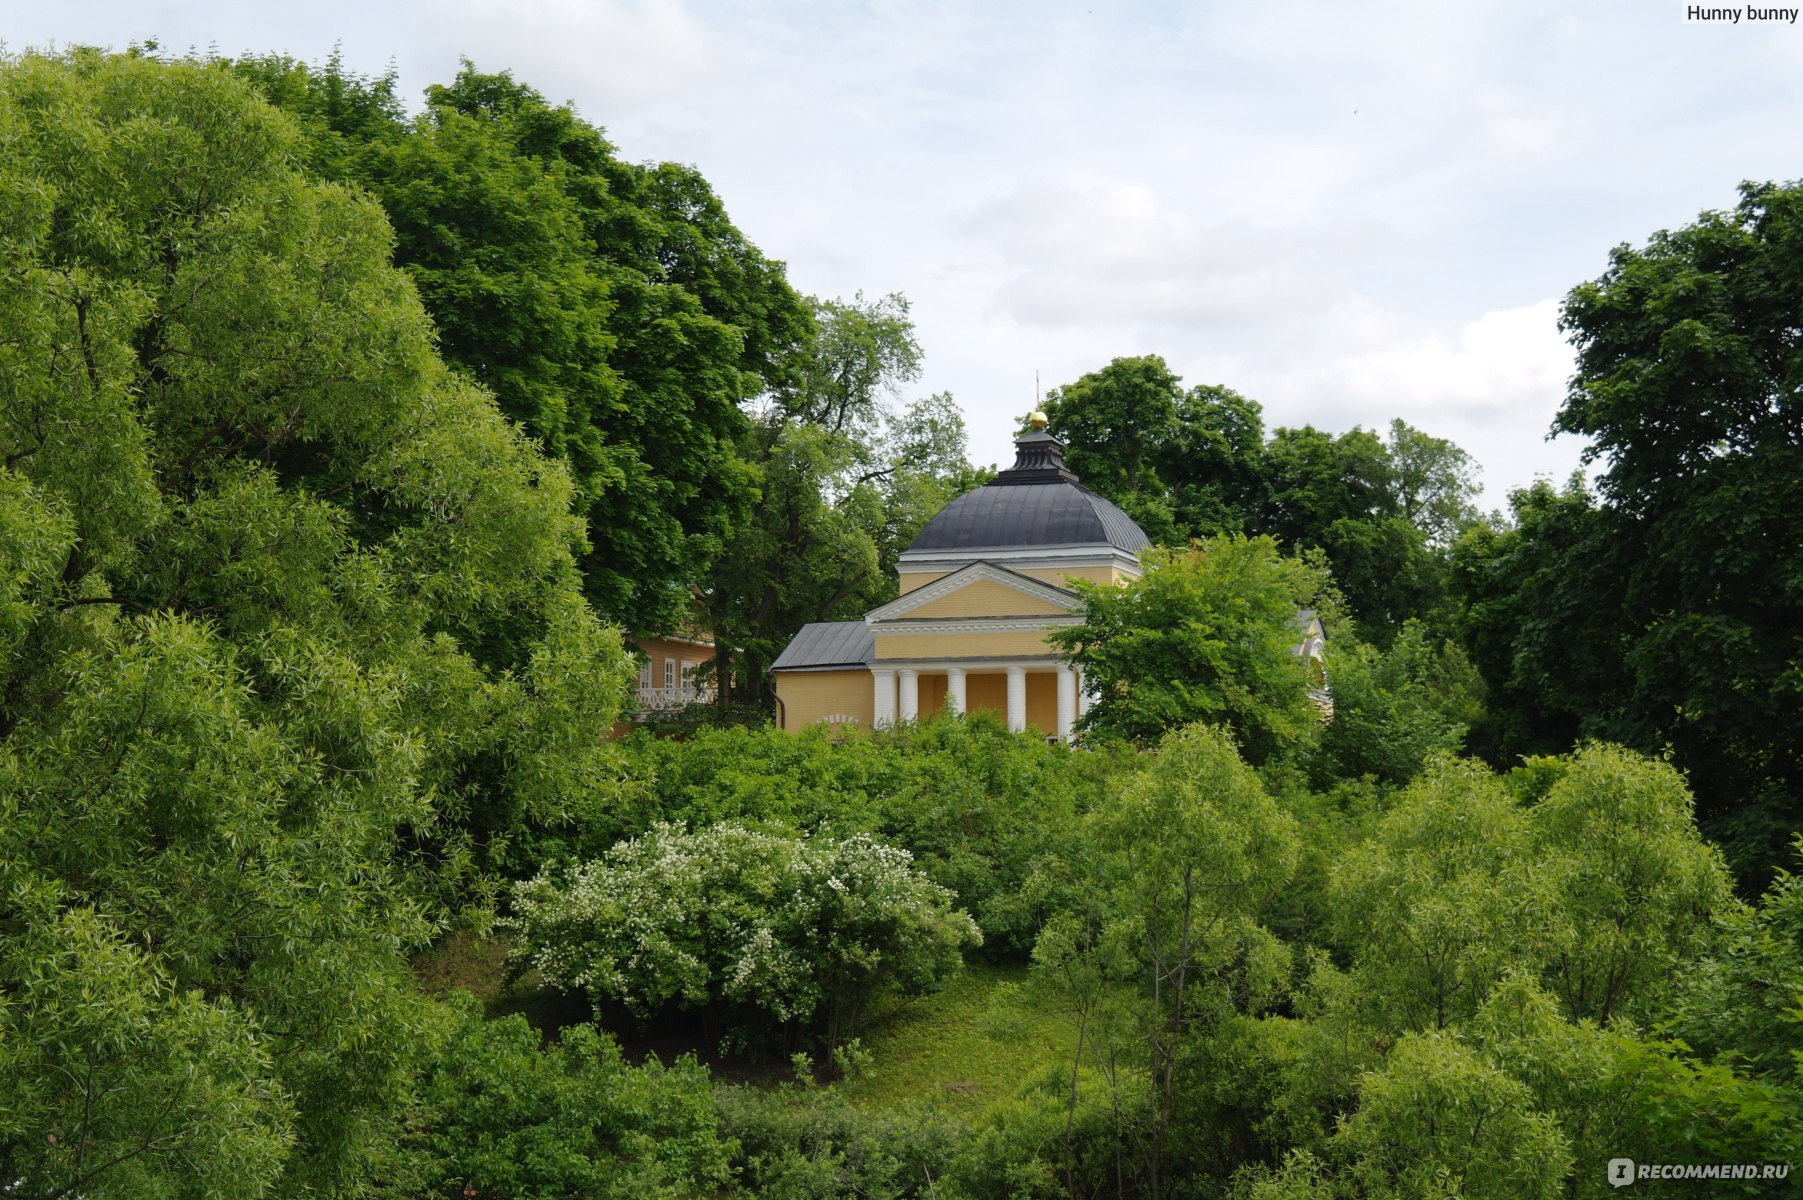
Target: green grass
{"points": [[978, 1041], [983, 1037], [477, 965]]}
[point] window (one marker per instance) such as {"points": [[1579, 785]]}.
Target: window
{"points": [[669, 672], [645, 674]]}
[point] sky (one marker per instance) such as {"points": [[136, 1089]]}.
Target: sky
{"points": [[1348, 211]]}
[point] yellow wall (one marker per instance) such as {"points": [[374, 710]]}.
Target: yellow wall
{"points": [[932, 694], [987, 598], [961, 645], [989, 692], [810, 696], [1057, 575], [986, 692], [1042, 702], [686, 655]]}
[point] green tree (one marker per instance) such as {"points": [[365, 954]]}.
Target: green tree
{"points": [[1215, 462], [1637, 888], [1115, 423], [499, 1114], [846, 485], [1434, 482], [1598, 890], [1208, 634], [1393, 709], [289, 610], [923, 464], [1440, 1120], [1745, 1001], [1188, 857], [800, 556], [613, 308], [861, 352], [1342, 495], [1687, 382], [1539, 615]]}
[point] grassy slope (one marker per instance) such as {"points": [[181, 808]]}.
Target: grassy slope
{"points": [[979, 1040]]}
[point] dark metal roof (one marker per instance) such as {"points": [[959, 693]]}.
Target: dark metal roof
{"points": [[1030, 514], [1036, 502], [824, 644]]}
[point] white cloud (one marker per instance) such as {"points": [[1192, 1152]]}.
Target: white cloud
{"points": [[1492, 366], [1491, 384], [1122, 257], [608, 54]]}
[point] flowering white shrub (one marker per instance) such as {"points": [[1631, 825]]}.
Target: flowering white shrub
{"points": [[804, 930]]}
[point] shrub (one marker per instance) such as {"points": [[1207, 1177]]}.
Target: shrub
{"points": [[802, 931]]}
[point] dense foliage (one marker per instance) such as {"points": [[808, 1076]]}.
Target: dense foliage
{"points": [[802, 932], [1207, 634], [1665, 611], [299, 656], [990, 816], [735, 447], [290, 611], [612, 307], [1194, 464]]}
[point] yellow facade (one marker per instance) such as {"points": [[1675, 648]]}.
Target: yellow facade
{"points": [[809, 697], [1055, 576], [988, 692], [932, 695], [997, 566], [671, 658], [987, 598], [962, 645]]}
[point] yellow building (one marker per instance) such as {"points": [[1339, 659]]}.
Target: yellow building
{"points": [[980, 588]]}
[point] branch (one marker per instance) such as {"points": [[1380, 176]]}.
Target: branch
{"points": [[121, 601]]}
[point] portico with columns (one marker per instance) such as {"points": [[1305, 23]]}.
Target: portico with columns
{"points": [[981, 587]]}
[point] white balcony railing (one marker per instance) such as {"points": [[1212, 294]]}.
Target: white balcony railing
{"points": [[664, 699]]}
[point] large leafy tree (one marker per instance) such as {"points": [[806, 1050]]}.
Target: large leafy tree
{"points": [[284, 600], [845, 484], [1345, 494], [1192, 464], [1540, 616], [1214, 462], [612, 307], [1666, 611], [1688, 380], [1116, 423], [1432, 481], [1208, 634]]}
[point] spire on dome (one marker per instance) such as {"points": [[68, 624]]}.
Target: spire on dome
{"points": [[1038, 458]]}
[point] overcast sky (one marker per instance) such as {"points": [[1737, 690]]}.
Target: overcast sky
{"points": [[1347, 211]]}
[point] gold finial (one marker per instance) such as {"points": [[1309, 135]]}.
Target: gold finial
{"points": [[1037, 421]]}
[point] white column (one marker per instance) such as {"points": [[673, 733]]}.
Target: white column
{"points": [[1017, 698], [954, 690], [884, 711], [1067, 702], [910, 694]]}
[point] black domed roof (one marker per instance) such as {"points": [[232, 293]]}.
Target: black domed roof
{"points": [[1036, 503]]}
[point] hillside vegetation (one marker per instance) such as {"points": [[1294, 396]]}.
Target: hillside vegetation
{"points": [[335, 444]]}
